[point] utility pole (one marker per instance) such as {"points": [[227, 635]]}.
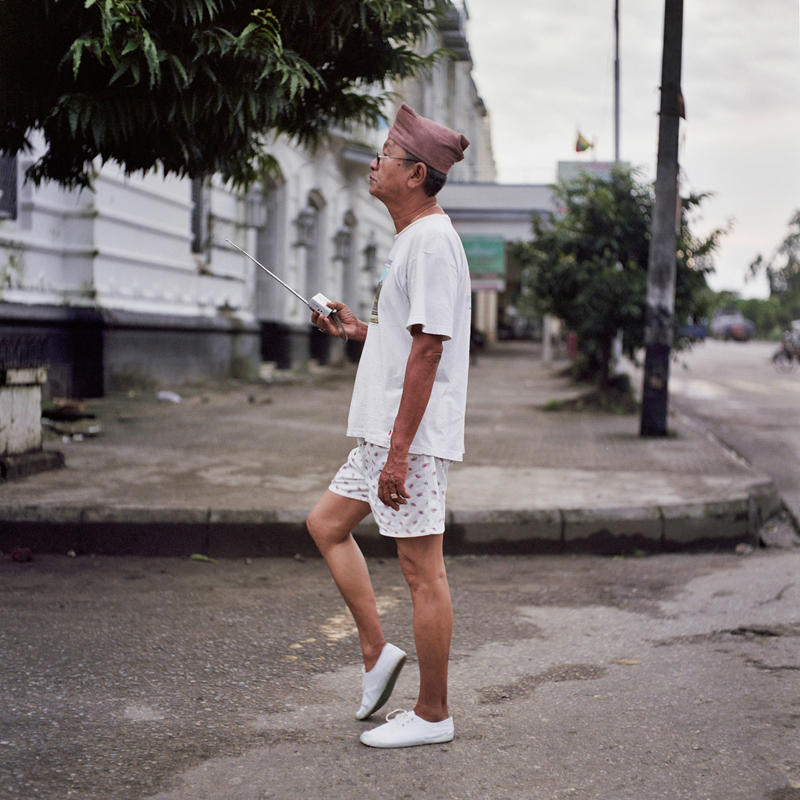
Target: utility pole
{"points": [[661, 262], [616, 81]]}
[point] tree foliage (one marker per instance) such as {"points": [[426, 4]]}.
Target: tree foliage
{"points": [[782, 268], [195, 85], [588, 264], [773, 315]]}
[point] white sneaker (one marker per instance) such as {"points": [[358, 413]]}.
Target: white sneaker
{"points": [[406, 729], [379, 681]]}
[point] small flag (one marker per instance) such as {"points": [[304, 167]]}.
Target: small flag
{"points": [[582, 144]]}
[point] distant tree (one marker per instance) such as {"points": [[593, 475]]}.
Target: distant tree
{"points": [[782, 268], [588, 264], [765, 314], [194, 86]]}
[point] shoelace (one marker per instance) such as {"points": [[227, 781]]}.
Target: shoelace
{"points": [[400, 716]]}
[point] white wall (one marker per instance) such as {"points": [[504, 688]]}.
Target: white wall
{"points": [[126, 244], [336, 186]]}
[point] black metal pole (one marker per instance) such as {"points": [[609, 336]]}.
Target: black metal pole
{"points": [[616, 80], [662, 256]]}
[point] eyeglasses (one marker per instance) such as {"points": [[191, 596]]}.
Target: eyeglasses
{"points": [[379, 156]]}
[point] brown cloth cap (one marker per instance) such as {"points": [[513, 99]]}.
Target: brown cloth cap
{"points": [[437, 146]]}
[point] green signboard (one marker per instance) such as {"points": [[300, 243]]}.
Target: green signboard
{"points": [[487, 261]]}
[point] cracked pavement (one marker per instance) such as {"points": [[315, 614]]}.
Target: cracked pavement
{"points": [[669, 676]]}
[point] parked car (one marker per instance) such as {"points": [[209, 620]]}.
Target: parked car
{"points": [[695, 330], [732, 324]]}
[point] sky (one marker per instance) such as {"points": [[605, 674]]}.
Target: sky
{"points": [[545, 71]]}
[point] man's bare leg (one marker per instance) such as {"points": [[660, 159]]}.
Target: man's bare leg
{"points": [[331, 523], [422, 562]]}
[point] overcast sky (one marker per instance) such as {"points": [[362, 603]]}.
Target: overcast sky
{"points": [[545, 70]]}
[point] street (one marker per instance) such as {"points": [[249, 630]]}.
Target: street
{"points": [[737, 393], [664, 677], [630, 678]]}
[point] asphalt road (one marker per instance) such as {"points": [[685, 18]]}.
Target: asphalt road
{"points": [[739, 395], [669, 677]]}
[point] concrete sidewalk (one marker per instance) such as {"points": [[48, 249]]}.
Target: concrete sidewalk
{"points": [[234, 470]]}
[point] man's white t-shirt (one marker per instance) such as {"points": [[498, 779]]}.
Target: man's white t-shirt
{"points": [[425, 282]]}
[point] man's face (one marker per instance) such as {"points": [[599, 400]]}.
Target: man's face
{"points": [[389, 176]]}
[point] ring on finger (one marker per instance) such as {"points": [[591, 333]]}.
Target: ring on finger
{"points": [[393, 496]]}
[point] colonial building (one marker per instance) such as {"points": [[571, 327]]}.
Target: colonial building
{"points": [[487, 217], [447, 94], [132, 284]]}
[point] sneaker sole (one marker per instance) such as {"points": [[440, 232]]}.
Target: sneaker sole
{"points": [[388, 689], [444, 739]]}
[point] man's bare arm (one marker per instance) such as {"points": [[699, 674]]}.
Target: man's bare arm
{"points": [[423, 361]]}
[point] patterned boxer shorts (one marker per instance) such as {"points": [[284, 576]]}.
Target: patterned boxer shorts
{"points": [[423, 513]]}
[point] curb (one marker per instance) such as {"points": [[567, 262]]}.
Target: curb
{"points": [[236, 533], [611, 530]]}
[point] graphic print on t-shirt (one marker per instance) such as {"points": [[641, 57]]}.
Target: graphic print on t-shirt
{"points": [[373, 317]]}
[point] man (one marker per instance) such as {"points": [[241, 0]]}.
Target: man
{"points": [[407, 414]]}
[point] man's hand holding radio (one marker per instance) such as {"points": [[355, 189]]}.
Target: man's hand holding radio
{"points": [[353, 327]]}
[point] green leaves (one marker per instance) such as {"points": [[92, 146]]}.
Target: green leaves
{"points": [[782, 268], [194, 86], [588, 265], [125, 41]]}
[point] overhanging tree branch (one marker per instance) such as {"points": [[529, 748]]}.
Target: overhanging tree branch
{"points": [[195, 86]]}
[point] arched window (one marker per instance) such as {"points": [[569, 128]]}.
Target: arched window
{"points": [[201, 200], [8, 186], [271, 299], [343, 254], [314, 221]]}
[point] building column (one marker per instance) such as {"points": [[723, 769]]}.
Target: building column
{"points": [[486, 314]]}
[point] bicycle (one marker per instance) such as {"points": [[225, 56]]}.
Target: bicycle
{"points": [[787, 357]]}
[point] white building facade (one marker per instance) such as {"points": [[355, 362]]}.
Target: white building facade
{"points": [[131, 284], [489, 213]]}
